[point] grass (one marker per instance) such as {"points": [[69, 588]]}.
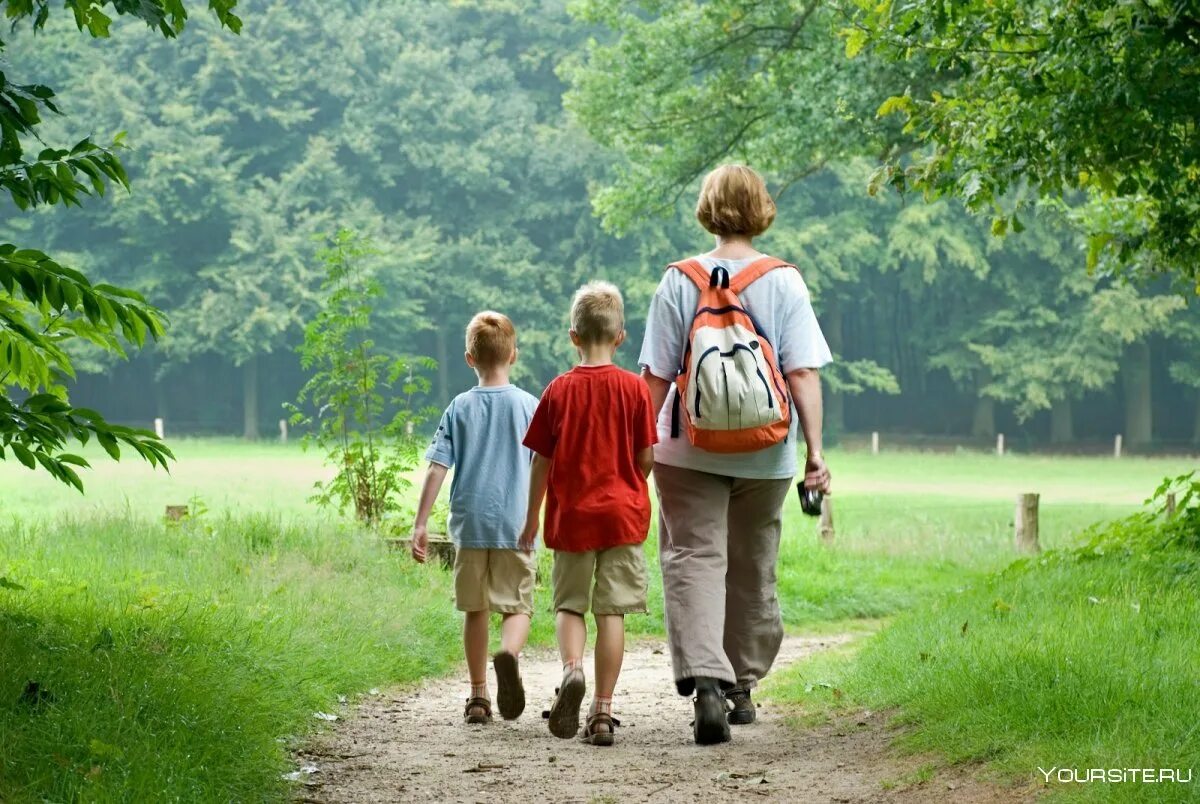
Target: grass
{"points": [[1079, 659], [184, 661]]}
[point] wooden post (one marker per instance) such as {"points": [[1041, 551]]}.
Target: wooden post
{"points": [[158, 428], [1000, 444], [1117, 446], [283, 431], [874, 443], [1171, 505], [1025, 524], [826, 523]]}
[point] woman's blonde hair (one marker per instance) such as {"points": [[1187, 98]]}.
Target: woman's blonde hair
{"points": [[734, 201]]}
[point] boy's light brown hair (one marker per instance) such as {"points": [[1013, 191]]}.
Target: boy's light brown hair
{"points": [[598, 313], [734, 201], [491, 339]]}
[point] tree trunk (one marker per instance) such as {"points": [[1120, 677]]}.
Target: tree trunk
{"points": [[250, 399], [443, 361], [1139, 416], [1062, 423], [1196, 429], [835, 402], [984, 423]]}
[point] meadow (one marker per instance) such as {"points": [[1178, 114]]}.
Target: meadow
{"points": [[182, 660]]}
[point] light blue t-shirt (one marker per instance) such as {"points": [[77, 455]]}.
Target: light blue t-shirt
{"points": [[479, 437], [780, 303]]}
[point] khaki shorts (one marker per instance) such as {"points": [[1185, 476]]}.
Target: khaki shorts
{"points": [[619, 574], [494, 580]]}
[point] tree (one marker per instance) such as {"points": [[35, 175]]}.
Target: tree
{"points": [[1052, 97], [45, 305]]}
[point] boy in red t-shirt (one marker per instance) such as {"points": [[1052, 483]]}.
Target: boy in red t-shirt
{"points": [[593, 435]]}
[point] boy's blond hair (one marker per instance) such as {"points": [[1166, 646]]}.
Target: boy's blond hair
{"points": [[734, 201], [598, 313], [491, 339]]}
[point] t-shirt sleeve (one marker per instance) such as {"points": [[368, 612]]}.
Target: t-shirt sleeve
{"points": [[666, 330], [541, 436], [441, 449], [801, 343], [645, 428]]}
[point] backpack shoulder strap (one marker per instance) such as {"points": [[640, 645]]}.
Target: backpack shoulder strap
{"points": [[755, 271], [693, 270]]}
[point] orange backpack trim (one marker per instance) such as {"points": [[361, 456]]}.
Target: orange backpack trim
{"points": [[719, 307]]}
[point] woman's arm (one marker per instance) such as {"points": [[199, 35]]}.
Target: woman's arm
{"points": [[805, 387], [658, 390]]}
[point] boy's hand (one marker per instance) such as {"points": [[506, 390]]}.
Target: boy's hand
{"points": [[420, 543], [528, 537]]}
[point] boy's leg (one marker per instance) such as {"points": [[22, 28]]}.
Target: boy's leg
{"points": [[510, 582], [693, 553], [470, 576], [753, 623], [572, 587], [620, 590]]}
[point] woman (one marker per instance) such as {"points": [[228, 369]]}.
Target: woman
{"points": [[720, 513]]}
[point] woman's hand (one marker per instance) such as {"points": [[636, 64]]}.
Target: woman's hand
{"points": [[816, 473]]}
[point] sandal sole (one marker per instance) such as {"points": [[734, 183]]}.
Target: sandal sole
{"points": [[564, 715], [510, 693]]}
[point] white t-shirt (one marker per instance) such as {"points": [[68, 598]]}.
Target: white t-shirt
{"points": [[779, 302]]}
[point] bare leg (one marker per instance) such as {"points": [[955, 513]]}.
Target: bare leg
{"points": [[514, 632], [572, 637], [610, 652], [475, 641]]}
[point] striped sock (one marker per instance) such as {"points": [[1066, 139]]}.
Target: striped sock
{"points": [[602, 706], [480, 691]]}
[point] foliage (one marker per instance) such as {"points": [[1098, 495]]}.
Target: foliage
{"points": [[372, 453], [1097, 95], [45, 305]]}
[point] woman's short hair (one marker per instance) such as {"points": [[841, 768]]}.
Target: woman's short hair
{"points": [[598, 313], [734, 201], [491, 339]]}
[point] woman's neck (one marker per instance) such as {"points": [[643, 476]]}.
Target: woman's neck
{"points": [[734, 248]]}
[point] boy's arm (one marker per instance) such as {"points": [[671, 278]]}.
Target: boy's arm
{"points": [[539, 478], [645, 460], [435, 475]]}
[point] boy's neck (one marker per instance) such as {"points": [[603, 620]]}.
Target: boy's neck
{"points": [[596, 354], [492, 378]]}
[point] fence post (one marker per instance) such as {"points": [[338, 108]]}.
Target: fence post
{"points": [[1025, 524], [826, 524], [874, 443], [1171, 505], [158, 428], [1117, 446], [283, 433], [1000, 444]]}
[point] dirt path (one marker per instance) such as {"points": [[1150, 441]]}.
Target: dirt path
{"points": [[413, 746]]}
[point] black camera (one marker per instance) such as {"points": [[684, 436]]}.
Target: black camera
{"points": [[810, 499]]}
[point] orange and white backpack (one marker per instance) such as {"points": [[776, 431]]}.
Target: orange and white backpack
{"points": [[730, 391]]}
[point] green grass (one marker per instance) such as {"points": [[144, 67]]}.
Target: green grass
{"points": [[1079, 659], [179, 657], [229, 632]]}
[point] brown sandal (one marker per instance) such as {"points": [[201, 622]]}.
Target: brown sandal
{"points": [[478, 710], [600, 729]]}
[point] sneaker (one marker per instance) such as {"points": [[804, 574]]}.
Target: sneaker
{"points": [[710, 726], [741, 708], [564, 713], [510, 693], [478, 710]]}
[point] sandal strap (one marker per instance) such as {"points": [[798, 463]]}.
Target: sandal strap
{"points": [[601, 719], [480, 703]]}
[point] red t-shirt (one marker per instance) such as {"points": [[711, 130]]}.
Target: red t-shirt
{"points": [[592, 422]]}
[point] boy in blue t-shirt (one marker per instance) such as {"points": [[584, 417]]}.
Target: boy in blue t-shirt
{"points": [[480, 438]]}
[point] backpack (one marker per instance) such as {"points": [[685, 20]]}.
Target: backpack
{"points": [[730, 390]]}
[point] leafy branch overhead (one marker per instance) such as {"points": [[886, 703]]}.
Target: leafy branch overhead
{"points": [[44, 305]]}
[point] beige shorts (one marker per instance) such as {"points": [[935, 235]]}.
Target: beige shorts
{"points": [[611, 581], [494, 580]]}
